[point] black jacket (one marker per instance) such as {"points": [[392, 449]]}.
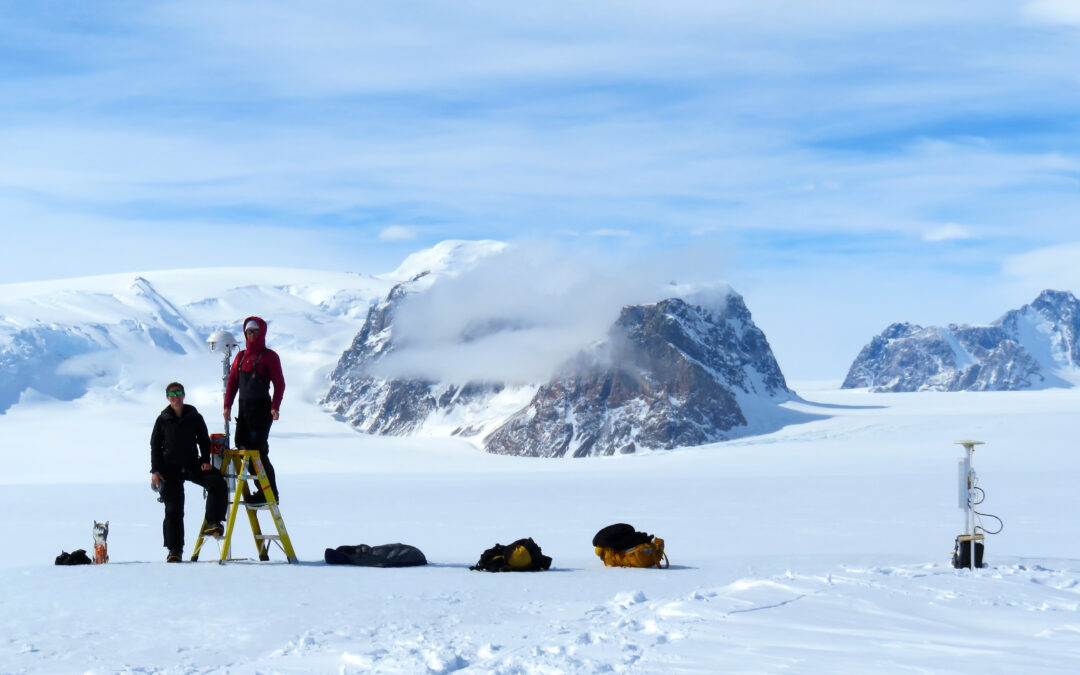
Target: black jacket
{"points": [[178, 441]]}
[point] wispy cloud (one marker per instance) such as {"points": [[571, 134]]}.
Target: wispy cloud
{"points": [[950, 232], [502, 121], [397, 233], [1055, 11], [518, 315], [1049, 267]]}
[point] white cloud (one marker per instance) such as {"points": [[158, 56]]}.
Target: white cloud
{"points": [[526, 311], [609, 232], [949, 232], [1049, 267], [397, 233], [1055, 11]]}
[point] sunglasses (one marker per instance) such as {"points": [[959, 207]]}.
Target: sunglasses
{"points": [[174, 394], [252, 331]]}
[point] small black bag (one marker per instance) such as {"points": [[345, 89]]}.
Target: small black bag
{"points": [[524, 555], [961, 557], [620, 537], [76, 557], [386, 555]]}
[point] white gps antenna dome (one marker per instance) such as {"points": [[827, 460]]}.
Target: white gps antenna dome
{"points": [[222, 340]]}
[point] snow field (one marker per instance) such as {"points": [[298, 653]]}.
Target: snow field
{"points": [[822, 547]]}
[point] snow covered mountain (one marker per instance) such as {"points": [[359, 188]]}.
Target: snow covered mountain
{"points": [[1034, 347], [122, 335], [670, 374]]}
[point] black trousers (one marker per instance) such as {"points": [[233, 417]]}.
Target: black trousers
{"points": [[173, 493], [253, 422]]}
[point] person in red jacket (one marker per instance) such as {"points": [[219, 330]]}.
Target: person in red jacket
{"points": [[252, 373]]}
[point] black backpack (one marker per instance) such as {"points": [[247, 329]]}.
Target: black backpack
{"points": [[620, 537], [76, 557], [524, 555], [386, 555]]}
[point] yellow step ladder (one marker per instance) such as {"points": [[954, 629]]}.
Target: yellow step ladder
{"points": [[234, 465]]}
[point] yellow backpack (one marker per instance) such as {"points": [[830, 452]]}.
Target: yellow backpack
{"points": [[620, 545], [643, 555]]}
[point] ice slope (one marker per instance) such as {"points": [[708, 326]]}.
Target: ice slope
{"points": [[821, 547]]}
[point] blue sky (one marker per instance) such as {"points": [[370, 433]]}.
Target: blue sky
{"points": [[843, 165]]}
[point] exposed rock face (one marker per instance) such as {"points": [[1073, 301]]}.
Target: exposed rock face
{"points": [[1028, 348], [395, 406], [670, 374]]}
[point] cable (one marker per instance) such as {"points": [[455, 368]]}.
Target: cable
{"points": [[980, 495], [1001, 523]]}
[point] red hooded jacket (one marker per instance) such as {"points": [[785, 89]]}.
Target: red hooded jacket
{"points": [[263, 361]]}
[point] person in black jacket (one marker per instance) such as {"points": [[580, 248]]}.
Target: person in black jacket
{"points": [[179, 451]]}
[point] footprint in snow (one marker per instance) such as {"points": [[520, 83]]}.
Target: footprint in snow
{"points": [[440, 664], [626, 600]]}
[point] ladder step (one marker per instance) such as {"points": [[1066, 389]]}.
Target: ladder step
{"points": [[255, 507], [268, 536]]}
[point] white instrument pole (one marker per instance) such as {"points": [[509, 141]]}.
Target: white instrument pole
{"points": [[966, 494], [223, 341]]}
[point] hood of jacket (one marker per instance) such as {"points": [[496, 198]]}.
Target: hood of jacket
{"points": [[253, 346]]}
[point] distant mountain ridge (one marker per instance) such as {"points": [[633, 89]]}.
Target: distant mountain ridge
{"points": [[1034, 347], [689, 369], [130, 332]]}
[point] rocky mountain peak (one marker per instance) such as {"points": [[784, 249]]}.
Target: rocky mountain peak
{"points": [[670, 374], [1032, 347]]}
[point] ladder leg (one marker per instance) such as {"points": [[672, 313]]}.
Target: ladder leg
{"points": [[263, 484], [286, 543], [227, 543], [199, 542], [275, 513], [226, 462]]}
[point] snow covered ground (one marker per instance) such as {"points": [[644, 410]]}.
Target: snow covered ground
{"points": [[822, 547]]}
